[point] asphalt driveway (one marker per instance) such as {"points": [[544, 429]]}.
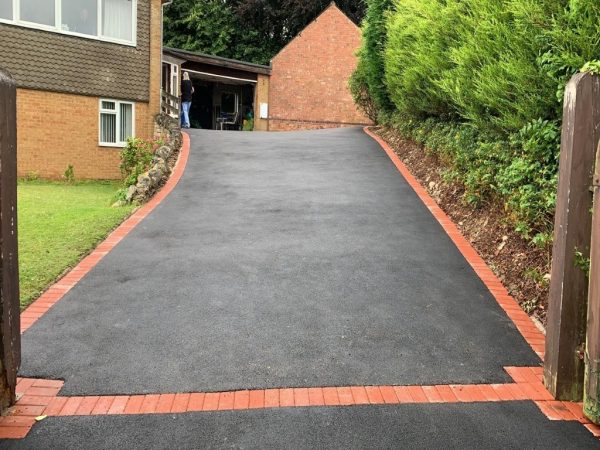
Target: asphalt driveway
{"points": [[280, 260], [511, 425]]}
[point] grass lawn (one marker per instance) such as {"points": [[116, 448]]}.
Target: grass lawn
{"points": [[58, 224]]}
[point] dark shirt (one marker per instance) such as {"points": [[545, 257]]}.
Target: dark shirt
{"points": [[186, 90]]}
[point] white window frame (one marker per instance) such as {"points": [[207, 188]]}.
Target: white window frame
{"points": [[16, 20], [116, 112]]}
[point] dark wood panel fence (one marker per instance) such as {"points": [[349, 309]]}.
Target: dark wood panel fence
{"points": [[10, 336]]}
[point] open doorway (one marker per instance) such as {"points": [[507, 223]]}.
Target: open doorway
{"points": [[218, 105], [202, 105]]}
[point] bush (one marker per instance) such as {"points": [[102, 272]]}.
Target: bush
{"points": [[371, 64], [420, 36], [521, 172], [69, 174], [496, 82], [136, 159], [360, 92]]}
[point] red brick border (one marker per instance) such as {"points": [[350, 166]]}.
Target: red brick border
{"points": [[39, 398], [51, 296]]}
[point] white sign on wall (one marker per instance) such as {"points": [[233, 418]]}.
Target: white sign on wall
{"points": [[264, 110]]}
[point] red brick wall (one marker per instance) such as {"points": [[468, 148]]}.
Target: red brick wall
{"points": [[309, 81], [56, 130]]}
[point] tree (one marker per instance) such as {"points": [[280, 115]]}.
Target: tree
{"points": [[207, 26], [372, 67]]}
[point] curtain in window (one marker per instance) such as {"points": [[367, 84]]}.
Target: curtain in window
{"points": [[108, 128], [117, 19], [126, 121]]}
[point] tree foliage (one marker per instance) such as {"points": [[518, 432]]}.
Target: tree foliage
{"points": [[369, 75], [250, 30], [206, 26]]}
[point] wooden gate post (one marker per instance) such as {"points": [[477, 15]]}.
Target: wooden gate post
{"points": [[591, 398], [10, 333], [565, 331]]}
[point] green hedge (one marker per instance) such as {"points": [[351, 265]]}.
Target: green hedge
{"points": [[371, 63], [481, 82]]}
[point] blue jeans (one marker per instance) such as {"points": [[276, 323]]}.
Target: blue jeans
{"points": [[185, 114]]}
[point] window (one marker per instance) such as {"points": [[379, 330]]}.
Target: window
{"points": [[38, 11], [116, 122], [174, 81], [80, 16], [6, 9], [117, 20], [108, 20]]}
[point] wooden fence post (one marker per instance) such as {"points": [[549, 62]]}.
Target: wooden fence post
{"points": [[10, 333], [591, 403], [565, 331]]}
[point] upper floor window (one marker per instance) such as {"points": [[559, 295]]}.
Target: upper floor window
{"points": [[110, 20], [6, 9]]}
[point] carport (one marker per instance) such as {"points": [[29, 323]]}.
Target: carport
{"points": [[229, 94]]}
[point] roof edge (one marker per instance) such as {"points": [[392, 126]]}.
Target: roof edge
{"points": [[218, 60]]}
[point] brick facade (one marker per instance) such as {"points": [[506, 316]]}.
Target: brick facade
{"points": [[309, 78], [56, 129]]}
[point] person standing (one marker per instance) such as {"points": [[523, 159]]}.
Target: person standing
{"points": [[187, 92]]}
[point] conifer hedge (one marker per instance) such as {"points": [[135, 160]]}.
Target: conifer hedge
{"points": [[481, 82]]}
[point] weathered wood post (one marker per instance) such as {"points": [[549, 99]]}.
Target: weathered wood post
{"points": [[565, 332], [591, 403], [10, 335]]}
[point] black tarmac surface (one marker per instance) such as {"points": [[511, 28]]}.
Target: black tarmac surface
{"points": [[284, 260], [280, 260], [512, 425]]}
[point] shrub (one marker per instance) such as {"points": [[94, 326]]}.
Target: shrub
{"points": [[248, 124], [528, 182], [371, 64], [32, 176], [521, 172], [69, 174], [420, 36], [360, 92], [136, 159]]}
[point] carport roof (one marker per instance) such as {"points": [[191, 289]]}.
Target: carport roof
{"points": [[217, 61]]}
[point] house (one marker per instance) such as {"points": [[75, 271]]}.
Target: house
{"points": [[88, 77], [305, 87], [308, 87]]}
